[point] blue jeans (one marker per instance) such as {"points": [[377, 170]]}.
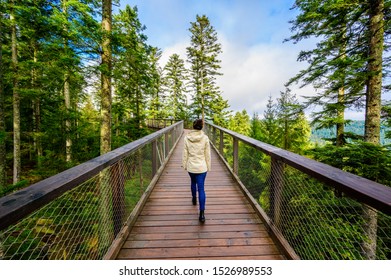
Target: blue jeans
{"points": [[198, 180]]}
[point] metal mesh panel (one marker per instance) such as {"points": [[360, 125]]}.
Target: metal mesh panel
{"points": [[317, 221], [228, 149], [214, 137], [83, 222]]}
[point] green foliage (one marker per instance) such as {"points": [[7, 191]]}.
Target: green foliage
{"points": [[294, 128], [10, 188], [253, 170], [354, 130], [315, 219], [269, 127], [130, 72], [364, 159], [284, 124], [386, 109], [339, 65], [240, 123], [60, 41]]}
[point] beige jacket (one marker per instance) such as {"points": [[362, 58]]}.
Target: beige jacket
{"points": [[196, 152]]}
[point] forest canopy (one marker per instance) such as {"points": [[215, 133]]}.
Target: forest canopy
{"points": [[78, 81]]}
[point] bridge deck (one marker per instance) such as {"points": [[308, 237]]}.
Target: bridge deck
{"points": [[168, 226]]}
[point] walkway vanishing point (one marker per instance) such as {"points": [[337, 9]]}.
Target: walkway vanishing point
{"points": [[168, 226]]}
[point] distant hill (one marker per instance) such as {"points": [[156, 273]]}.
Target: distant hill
{"points": [[356, 127]]}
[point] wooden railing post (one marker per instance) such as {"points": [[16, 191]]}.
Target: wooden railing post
{"points": [[166, 145], [214, 135], [154, 157], [235, 154], [117, 176], [221, 146], [276, 187], [140, 170]]}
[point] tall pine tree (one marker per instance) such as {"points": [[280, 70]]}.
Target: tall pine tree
{"points": [[269, 129], [294, 128], [334, 63], [175, 78], [157, 95], [133, 77], [203, 57], [3, 154]]}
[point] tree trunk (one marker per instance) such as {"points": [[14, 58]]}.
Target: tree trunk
{"points": [[3, 175], [16, 98], [36, 110], [375, 60], [105, 130], [106, 227], [37, 127], [68, 126], [67, 93], [202, 97], [373, 109], [138, 106], [370, 232]]}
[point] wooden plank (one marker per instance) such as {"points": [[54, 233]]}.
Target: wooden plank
{"points": [[215, 251], [179, 243], [211, 217], [194, 222], [198, 235], [233, 207], [209, 193], [198, 228], [186, 201], [181, 212], [255, 257]]}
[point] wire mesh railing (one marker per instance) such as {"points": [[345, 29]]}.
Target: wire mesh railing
{"points": [[78, 214], [321, 213]]}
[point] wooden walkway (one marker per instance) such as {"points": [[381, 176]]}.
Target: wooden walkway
{"points": [[168, 226]]}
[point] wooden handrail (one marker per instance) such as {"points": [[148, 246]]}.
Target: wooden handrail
{"points": [[359, 188], [18, 205]]}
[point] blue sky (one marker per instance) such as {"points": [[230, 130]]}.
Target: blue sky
{"points": [[255, 61], [250, 21]]}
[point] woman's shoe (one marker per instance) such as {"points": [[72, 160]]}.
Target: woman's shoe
{"points": [[194, 201], [202, 217]]}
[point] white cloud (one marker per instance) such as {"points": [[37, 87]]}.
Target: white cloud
{"points": [[250, 74], [255, 62], [178, 48]]}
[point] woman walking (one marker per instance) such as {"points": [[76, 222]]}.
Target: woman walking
{"points": [[196, 160]]}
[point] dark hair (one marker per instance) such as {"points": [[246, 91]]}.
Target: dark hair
{"points": [[197, 124]]}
